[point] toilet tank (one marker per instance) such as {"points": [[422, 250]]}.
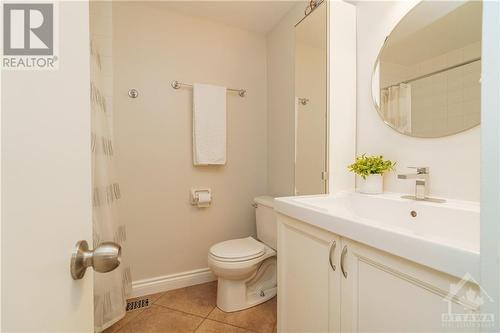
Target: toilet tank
{"points": [[266, 221]]}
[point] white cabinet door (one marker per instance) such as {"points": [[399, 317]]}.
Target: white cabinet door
{"points": [[308, 287], [46, 186], [384, 293]]}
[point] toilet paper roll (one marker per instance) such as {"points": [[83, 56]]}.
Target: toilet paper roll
{"points": [[204, 199]]}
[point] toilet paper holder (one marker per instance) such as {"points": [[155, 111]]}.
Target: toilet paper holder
{"points": [[195, 195]]}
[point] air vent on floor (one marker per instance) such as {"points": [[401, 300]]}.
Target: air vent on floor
{"points": [[136, 304]]}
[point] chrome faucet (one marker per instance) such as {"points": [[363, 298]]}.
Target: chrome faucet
{"points": [[421, 183]]}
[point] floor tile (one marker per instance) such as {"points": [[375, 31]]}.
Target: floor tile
{"points": [[198, 300], [210, 326], [158, 319], [260, 318], [152, 298], [119, 324]]}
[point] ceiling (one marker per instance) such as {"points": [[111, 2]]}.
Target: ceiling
{"points": [[254, 15]]}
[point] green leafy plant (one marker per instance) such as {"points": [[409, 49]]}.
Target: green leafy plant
{"points": [[371, 165]]}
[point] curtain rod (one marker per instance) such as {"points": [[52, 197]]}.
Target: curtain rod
{"points": [[436, 72]]}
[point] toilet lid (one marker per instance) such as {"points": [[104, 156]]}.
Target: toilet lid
{"points": [[238, 249]]}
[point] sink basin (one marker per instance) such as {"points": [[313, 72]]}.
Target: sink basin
{"points": [[443, 236]]}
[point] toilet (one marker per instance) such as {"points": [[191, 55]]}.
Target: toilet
{"points": [[246, 267]]}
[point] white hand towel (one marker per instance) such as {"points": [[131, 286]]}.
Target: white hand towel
{"points": [[209, 124]]}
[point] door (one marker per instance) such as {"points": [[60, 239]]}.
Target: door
{"points": [[384, 293], [308, 279], [46, 185]]}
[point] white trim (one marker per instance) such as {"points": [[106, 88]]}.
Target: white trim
{"points": [[342, 95], [490, 161], [169, 282]]}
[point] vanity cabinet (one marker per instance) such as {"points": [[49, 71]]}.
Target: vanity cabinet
{"points": [[308, 287], [328, 283]]}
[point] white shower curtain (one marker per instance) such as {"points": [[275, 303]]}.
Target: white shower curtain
{"points": [[110, 289], [396, 106]]}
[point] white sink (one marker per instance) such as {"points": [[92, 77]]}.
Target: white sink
{"points": [[443, 236]]}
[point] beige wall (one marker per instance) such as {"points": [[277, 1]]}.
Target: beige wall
{"points": [[280, 104], [453, 161], [154, 137]]}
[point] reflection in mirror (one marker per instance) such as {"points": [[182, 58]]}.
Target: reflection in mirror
{"points": [[426, 81], [310, 103]]}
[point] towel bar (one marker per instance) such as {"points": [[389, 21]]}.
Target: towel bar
{"points": [[176, 85]]}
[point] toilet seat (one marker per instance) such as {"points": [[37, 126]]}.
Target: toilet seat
{"points": [[237, 250]]}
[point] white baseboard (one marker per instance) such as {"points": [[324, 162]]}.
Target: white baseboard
{"points": [[169, 282]]}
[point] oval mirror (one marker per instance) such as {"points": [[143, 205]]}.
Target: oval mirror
{"points": [[426, 79]]}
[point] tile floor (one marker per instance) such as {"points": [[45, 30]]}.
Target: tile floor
{"points": [[193, 309]]}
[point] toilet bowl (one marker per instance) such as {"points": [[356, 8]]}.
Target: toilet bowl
{"points": [[246, 267]]}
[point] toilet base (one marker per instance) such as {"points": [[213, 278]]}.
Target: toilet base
{"points": [[234, 295]]}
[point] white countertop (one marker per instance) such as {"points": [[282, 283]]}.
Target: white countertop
{"points": [[443, 236]]}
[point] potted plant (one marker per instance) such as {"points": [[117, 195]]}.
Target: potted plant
{"points": [[371, 169]]}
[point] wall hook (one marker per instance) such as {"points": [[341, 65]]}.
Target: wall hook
{"points": [[133, 93]]}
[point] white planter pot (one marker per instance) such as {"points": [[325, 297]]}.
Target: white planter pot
{"points": [[373, 184]]}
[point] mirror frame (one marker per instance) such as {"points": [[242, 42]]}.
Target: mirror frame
{"points": [[374, 101]]}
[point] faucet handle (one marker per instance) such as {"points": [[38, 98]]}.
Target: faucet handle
{"points": [[421, 170]]}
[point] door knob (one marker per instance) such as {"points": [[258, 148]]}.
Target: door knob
{"points": [[104, 258]]}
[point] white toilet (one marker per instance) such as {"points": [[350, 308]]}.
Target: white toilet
{"points": [[246, 267]]}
